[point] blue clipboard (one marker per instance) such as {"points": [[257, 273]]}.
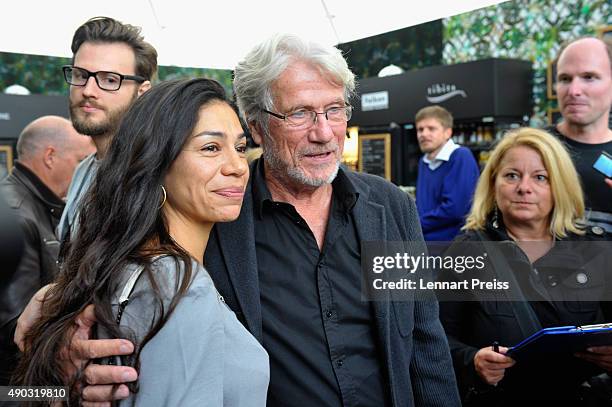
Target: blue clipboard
{"points": [[561, 340]]}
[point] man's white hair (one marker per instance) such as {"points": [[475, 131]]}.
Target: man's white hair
{"points": [[254, 76]]}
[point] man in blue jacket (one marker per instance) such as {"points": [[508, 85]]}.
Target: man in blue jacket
{"points": [[447, 176]]}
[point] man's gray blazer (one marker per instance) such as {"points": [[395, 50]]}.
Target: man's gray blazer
{"points": [[415, 349]]}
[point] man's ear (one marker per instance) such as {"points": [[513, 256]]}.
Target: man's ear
{"points": [[49, 156], [256, 132], [448, 133], [145, 86]]}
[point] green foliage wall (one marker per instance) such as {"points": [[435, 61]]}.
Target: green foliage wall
{"points": [[223, 76], [525, 29], [40, 74], [532, 30], [43, 75], [409, 48]]}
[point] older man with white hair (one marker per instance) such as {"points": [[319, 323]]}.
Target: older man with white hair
{"points": [[296, 277]]}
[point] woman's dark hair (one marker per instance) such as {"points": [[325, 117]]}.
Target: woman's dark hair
{"points": [[120, 223]]}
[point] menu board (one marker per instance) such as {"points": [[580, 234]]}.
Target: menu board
{"points": [[375, 154]]}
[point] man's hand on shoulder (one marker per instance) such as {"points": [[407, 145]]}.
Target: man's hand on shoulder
{"points": [[29, 316], [98, 380]]}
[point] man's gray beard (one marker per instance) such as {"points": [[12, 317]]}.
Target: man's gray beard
{"points": [[294, 173]]}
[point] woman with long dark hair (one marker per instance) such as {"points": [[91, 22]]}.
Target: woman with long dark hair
{"points": [[175, 167]]}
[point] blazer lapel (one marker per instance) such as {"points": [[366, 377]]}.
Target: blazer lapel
{"points": [[372, 226], [237, 246]]}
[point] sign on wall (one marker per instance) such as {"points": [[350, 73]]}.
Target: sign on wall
{"points": [[375, 154], [375, 101]]}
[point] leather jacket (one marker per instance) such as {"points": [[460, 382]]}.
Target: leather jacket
{"points": [[38, 211]]}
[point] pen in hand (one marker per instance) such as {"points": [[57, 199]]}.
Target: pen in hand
{"points": [[495, 347]]}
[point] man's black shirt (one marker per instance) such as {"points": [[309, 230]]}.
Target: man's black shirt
{"points": [[597, 194], [319, 334]]}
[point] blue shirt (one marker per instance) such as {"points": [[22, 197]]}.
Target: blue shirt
{"points": [[82, 179], [444, 194]]}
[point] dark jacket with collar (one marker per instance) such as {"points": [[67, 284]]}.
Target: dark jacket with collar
{"points": [[38, 211], [414, 347], [559, 286]]}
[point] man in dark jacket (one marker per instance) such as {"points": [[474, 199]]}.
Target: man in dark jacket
{"points": [[49, 149]]}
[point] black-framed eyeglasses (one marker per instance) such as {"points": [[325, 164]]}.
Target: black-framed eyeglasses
{"points": [[307, 117], [106, 80]]}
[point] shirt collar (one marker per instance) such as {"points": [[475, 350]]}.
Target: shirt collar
{"points": [[443, 155], [343, 189], [261, 193], [40, 188]]}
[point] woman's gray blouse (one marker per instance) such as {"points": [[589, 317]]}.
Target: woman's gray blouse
{"points": [[202, 356]]}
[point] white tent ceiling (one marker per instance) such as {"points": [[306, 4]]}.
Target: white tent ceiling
{"points": [[215, 34]]}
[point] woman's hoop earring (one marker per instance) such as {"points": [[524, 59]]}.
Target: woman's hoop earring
{"points": [[165, 197]]}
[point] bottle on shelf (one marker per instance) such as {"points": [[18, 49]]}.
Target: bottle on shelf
{"points": [[483, 157], [473, 135], [479, 135], [488, 134], [459, 136]]}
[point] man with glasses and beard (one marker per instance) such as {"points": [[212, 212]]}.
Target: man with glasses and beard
{"points": [[111, 66]]}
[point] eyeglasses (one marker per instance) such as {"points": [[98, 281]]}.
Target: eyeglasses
{"points": [[105, 80], [307, 117]]}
